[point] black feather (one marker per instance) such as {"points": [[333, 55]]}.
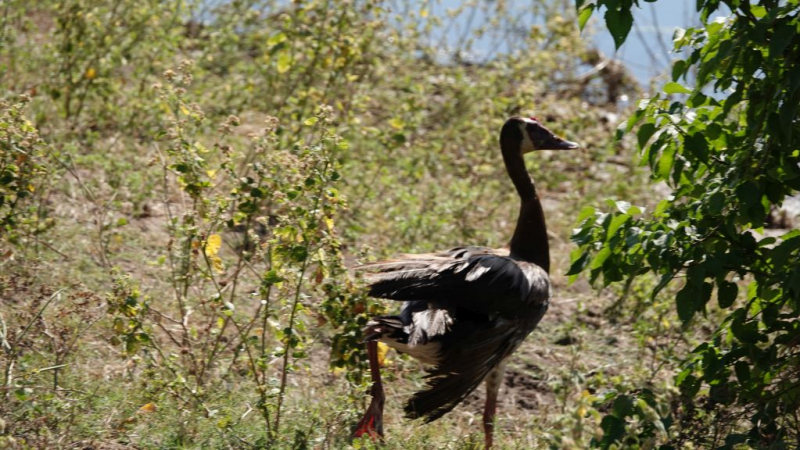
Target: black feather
{"points": [[474, 304]]}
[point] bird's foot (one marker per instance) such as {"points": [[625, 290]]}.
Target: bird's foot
{"points": [[372, 423], [369, 426]]}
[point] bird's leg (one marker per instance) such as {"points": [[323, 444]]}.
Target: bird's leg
{"points": [[493, 382], [372, 422]]}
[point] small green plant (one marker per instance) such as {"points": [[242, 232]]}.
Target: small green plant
{"points": [[23, 177]]}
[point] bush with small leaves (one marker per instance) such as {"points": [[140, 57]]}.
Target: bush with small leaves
{"points": [[253, 248], [728, 146], [24, 172]]}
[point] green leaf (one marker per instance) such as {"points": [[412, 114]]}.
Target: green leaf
{"points": [[794, 283], [665, 279], [579, 264], [644, 134], [676, 88], [685, 303], [697, 145], [666, 160], [600, 258], [758, 11], [623, 406], [661, 207], [637, 115], [713, 28], [276, 39], [782, 253], [299, 253], [697, 99], [716, 202], [726, 293], [622, 206], [742, 370], [613, 430], [750, 195], [616, 222], [584, 15], [745, 330], [585, 213], [270, 278], [619, 23], [678, 69]]}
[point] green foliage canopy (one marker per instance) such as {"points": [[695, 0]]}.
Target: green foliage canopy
{"points": [[728, 158]]}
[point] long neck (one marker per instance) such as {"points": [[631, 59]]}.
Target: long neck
{"points": [[529, 242]]}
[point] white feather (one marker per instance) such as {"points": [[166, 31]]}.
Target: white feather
{"points": [[527, 143]]}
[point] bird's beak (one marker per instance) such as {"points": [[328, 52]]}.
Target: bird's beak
{"points": [[557, 143]]}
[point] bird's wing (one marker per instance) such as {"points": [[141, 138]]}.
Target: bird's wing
{"points": [[479, 281], [463, 369], [513, 294]]}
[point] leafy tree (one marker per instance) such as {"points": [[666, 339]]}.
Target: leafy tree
{"points": [[728, 146]]}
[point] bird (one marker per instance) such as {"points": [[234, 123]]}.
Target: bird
{"points": [[467, 309]]}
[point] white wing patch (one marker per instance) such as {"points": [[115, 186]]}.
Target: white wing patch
{"points": [[476, 272]]}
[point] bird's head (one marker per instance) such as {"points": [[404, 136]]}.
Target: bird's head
{"points": [[535, 136]]}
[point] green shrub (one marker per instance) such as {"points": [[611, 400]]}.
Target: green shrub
{"points": [[24, 172], [728, 149]]}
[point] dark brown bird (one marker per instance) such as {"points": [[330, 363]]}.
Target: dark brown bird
{"points": [[466, 309]]}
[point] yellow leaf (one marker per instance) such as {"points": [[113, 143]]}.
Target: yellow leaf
{"points": [[397, 123], [185, 110], [90, 73], [382, 350], [284, 62], [211, 173], [329, 223], [213, 244], [148, 408], [276, 39], [423, 13], [216, 264]]}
